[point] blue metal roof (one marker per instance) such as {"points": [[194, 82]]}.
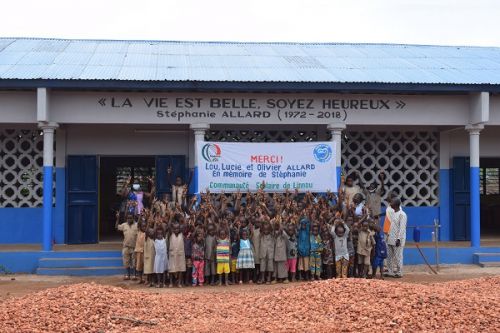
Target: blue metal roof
{"points": [[105, 60]]}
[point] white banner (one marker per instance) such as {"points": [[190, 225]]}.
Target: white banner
{"points": [[229, 167]]}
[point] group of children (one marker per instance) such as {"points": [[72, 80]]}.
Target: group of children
{"points": [[255, 237]]}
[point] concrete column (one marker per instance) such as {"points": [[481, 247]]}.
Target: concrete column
{"points": [[336, 131], [48, 169], [475, 209], [199, 136], [42, 104]]}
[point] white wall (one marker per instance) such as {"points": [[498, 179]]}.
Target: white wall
{"points": [[17, 107], [136, 140], [489, 142], [494, 110], [126, 140], [85, 107], [354, 109]]}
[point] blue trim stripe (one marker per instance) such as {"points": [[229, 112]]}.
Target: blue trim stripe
{"points": [[47, 208], [475, 209]]}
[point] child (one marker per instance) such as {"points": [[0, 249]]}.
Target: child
{"points": [[198, 259], [255, 237], [210, 260], [266, 253], [340, 234], [161, 260], [222, 256], [235, 249], [352, 245], [358, 207], [179, 188], [245, 261], [291, 251], [350, 189], [373, 196], [187, 253], [129, 229], [139, 249], [304, 248], [315, 253], [280, 254], [365, 245], [149, 256], [380, 251], [177, 256], [327, 255]]}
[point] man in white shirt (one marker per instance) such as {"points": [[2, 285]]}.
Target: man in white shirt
{"points": [[396, 239]]}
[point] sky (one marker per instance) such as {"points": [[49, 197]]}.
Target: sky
{"points": [[438, 22]]}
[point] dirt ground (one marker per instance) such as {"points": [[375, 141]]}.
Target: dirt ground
{"points": [[21, 284]]}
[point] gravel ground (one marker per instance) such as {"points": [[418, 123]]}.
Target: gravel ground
{"points": [[22, 284], [350, 305]]}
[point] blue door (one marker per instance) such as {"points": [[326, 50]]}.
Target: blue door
{"points": [[461, 199], [178, 164], [82, 213]]}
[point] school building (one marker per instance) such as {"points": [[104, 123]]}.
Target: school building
{"points": [[77, 117]]}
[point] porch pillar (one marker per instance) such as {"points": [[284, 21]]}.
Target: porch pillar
{"points": [[336, 131], [199, 136], [475, 210], [48, 169]]}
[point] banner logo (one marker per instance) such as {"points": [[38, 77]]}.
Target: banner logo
{"points": [[322, 153], [211, 152]]}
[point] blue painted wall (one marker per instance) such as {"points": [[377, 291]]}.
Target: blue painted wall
{"points": [[420, 216], [461, 255], [20, 225], [24, 225], [20, 262], [27, 261]]}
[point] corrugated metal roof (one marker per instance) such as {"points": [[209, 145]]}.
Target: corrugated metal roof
{"points": [[60, 59]]}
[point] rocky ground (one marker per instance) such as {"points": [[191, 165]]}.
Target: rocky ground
{"points": [[351, 305]]}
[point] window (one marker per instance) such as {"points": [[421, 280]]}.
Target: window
{"points": [[21, 174], [138, 174], [489, 181]]}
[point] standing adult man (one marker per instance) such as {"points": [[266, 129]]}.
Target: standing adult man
{"points": [[396, 239]]}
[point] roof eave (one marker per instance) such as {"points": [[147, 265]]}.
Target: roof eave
{"points": [[368, 87]]}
